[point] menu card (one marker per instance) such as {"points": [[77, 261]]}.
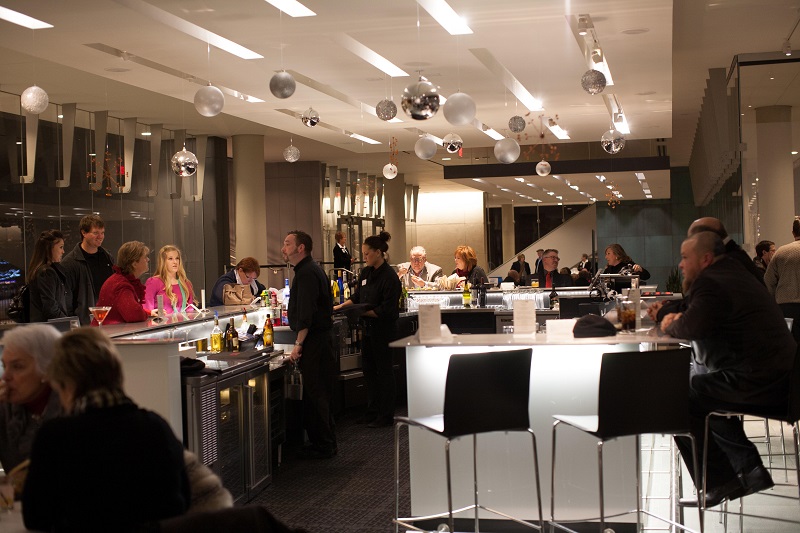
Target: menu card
{"points": [[524, 317], [430, 322]]}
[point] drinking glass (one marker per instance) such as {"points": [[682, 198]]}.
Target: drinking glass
{"points": [[100, 313]]}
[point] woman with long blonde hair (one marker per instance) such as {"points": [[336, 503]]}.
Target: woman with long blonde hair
{"points": [[169, 273]]}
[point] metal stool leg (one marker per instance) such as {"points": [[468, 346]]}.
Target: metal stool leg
{"points": [[538, 485], [451, 522], [600, 472], [553, 474], [475, 479], [638, 484], [396, 475]]}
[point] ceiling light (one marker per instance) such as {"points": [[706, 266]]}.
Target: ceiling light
{"points": [[446, 158], [447, 18], [507, 79], [597, 53], [557, 130], [787, 48], [583, 26], [293, 8], [794, 152], [60, 116], [188, 28], [639, 176], [369, 55], [365, 139], [20, 19], [146, 134], [493, 134], [521, 180]]}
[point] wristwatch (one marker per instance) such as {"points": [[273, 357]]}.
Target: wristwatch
{"points": [[298, 343]]}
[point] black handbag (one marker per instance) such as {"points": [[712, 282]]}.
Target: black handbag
{"points": [[19, 310]]}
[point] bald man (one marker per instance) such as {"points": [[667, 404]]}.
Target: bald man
{"points": [[743, 356]]}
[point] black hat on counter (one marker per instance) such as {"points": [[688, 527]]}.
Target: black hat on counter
{"points": [[593, 326]]}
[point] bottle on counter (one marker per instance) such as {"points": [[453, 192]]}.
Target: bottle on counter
{"points": [[226, 340], [264, 298], [346, 292], [243, 328], [269, 332], [216, 335], [466, 296], [339, 283], [404, 300], [335, 292], [285, 303], [234, 337]]}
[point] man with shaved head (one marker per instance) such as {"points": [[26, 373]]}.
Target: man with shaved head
{"points": [[743, 356], [731, 248]]}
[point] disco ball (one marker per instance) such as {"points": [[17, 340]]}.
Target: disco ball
{"points": [[543, 168], [291, 153], [459, 109], [612, 141], [425, 147], [452, 142], [184, 163], [310, 118], [389, 171], [282, 85], [34, 100], [386, 109], [209, 101], [593, 81], [420, 99], [506, 150], [516, 124]]}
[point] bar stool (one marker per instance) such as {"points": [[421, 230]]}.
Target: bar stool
{"points": [[639, 393], [484, 392]]}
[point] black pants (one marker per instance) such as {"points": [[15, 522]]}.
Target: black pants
{"points": [[379, 370], [729, 450], [318, 366]]}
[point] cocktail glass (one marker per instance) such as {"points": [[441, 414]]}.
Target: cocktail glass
{"points": [[100, 313]]}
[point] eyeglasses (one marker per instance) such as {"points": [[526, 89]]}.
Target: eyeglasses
{"points": [[249, 277], [553, 257], [418, 259]]}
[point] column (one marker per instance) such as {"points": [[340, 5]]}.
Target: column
{"points": [[775, 173], [509, 244], [250, 213], [394, 194]]}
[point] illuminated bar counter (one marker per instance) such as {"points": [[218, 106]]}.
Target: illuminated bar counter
{"points": [[564, 380]]}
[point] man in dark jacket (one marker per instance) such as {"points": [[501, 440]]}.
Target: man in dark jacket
{"points": [[743, 357], [87, 267], [549, 276]]}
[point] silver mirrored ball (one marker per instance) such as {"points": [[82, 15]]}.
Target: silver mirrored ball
{"points": [[420, 100], [282, 85], [184, 163], [543, 168], [34, 100], [593, 81], [291, 153], [310, 118], [612, 141], [459, 109], [506, 150], [516, 124], [386, 109], [425, 147], [209, 101], [452, 143]]}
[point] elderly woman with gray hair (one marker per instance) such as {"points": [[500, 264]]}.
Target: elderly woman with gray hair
{"points": [[26, 399]]}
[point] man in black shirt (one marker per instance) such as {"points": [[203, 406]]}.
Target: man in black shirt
{"points": [[310, 309], [87, 267]]}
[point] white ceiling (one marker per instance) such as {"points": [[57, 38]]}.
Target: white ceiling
{"points": [[532, 39]]}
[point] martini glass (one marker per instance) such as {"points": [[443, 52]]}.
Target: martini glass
{"points": [[100, 313]]}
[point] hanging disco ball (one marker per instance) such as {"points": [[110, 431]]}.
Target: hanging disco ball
{"points": [[310, 118], [282, 85], [459, 109], [452, 142], [506, 150], [612, 141], [34, 100], [420, 99], [291, 153], [386, 109], [389, 171], [209, 101], [543, 168], [516, 124], [184, 163], [593, 81], [425, 147]]}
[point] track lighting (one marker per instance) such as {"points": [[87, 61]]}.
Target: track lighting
{"points": [[787, 48], [583, 26]]}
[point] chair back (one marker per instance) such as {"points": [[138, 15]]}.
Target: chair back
{"points": [[487, 392], [643, 392]]}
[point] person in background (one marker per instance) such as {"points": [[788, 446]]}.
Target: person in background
{"points": [[549, 276], [418, 273], [109, 465], [764, 252], [87, 267], [26, 399], [379, 287], [584, 278], [620, 263], [782, 279], [123, 291], [512, 277], [584, 263], [341, 255], [732, 249], [538, 265], [523, 268], [309, 315], [47, 281], [245, 272], [169, 273], [467, 265]]}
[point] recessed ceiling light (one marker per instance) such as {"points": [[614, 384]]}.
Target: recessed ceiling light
{"points": [[446, 158], [447, 18], [370, 56], [146, 134], [20, 19], [293, 8], [794, 152], [364, 139]]}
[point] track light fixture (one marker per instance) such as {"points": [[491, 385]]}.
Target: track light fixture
{"points": [[597, 53], [787, 48], [787, 43], [583, 25]]}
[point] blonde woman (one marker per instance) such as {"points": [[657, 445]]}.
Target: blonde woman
{"points": [[170, 282]]}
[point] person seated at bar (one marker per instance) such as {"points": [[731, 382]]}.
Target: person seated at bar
{"points": [[47, 281], [245, 272], [743, 357], [584, 278], [418, 273], [550, 276], [26, 399], [123, 291], [523, 268], [467, 265], [169, 273], [620, 263], [109, 465], [512, 277]]}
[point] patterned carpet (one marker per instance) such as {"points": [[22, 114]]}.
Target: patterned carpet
{"points": [[352, 492]]}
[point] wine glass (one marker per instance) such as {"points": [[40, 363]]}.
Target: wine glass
{"points": [[100, 313]]}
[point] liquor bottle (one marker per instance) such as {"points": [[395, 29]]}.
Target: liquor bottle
{"points": [[226, 344], [264, 297], [216, 336], [404, 300], [346, 292], [341, 289], [233, 335], [285, 303], [269, 333], [243, 328], [466, 297], [335, 292]]}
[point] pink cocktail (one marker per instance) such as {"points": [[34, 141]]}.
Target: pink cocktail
{"points": [[100, 313]]}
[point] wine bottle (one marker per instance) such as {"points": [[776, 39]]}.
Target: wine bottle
{"points": [[234, 337], [216, 336], [226, 340], [466, 297]]}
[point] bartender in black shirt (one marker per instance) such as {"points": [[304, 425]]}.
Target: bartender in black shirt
{"points": [[310, 317], [379, 287]]}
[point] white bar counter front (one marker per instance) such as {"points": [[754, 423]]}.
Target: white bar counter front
{"points": [[564, 380]]}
